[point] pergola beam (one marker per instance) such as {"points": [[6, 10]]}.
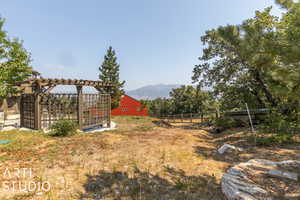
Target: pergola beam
{"points": [[45, 82]]}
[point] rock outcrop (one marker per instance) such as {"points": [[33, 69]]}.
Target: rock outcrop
{"points": [[260, 179]]}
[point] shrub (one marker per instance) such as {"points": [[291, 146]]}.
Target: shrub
{"points": [[277, 139], [63, 128], [279, 124], [229, 122]]}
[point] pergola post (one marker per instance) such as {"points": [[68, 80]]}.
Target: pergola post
{"points": [[109, 112], [37, 108], [80, 106]]}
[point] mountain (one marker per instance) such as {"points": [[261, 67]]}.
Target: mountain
{"points": [[152, 91]]}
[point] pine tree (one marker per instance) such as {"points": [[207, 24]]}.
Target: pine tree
{"points": [[109, 72]]}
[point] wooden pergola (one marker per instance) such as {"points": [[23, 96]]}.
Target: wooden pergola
{"points": [[40, 108]]}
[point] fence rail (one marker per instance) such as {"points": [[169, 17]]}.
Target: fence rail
{"points": [[201, 119], [256, 114]]}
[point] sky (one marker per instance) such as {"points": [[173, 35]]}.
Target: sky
{"points": [[156, 41]]}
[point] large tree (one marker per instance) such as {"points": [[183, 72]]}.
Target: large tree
{"points": [[14, 63], [256, 62], [110, 72]]}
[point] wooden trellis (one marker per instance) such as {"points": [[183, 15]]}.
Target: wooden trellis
{"points": [[40, 109]]}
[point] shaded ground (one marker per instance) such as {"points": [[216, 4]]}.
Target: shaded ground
{"points": [[140, 160]]}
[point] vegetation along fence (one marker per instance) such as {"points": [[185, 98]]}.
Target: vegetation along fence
{"points": [[209, 117]]}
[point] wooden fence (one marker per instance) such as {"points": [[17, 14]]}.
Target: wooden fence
{"points": [[209, 117], [191, 118]]}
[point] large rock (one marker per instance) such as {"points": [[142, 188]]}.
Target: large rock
{"points": [[249, 181], [226, 147], [9, 128], [25, 129]]}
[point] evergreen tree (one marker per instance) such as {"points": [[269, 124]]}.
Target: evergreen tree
{"points": [[109, 72]]}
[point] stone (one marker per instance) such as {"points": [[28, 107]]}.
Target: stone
{"points": [[26, 129], [282, 174], [225, 147], [237, 183], [289, 163], [9, 128], [113, 126]]}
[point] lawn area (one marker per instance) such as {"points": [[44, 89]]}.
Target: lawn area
{"points": [[139, 160]]}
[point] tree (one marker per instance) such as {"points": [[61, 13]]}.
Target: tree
{"points": [[109, 72], [14, 63], [160, 107], [183, 100], [188, 99], [285, 3], [257, 62], [287, 50], [238, 57]]}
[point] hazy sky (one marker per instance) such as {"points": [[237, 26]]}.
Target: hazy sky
{"points": [[157, 41]]}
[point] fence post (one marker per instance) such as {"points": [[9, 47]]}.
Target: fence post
{"points": [[252, 128], [191, 118], [79, 106], [181, 117]]}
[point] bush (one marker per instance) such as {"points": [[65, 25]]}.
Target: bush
{"points": [[229, 122], [277, 139], [279, 124], [63, 128]]}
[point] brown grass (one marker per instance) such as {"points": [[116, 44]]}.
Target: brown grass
{"points": [[139, 160]]}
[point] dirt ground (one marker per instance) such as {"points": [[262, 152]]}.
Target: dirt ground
{"points": [[139, 160]]}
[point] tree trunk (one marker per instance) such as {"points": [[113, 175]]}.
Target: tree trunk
{"points": [[5, 108], [264, 88]]}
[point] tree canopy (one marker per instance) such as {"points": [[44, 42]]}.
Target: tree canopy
{"points": [[14, 63], [256, 62], [183, 100]]}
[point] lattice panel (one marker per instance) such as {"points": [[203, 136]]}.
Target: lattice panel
{"points": [[96, 110], [27, 111], [44, 110], [55, 107]]}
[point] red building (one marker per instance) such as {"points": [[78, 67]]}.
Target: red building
{"points": [[130, 107]]}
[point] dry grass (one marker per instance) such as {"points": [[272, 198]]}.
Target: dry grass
{"points": [[139, 160]]}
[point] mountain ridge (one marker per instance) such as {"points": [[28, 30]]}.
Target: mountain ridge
{"points": [[152, 91]]}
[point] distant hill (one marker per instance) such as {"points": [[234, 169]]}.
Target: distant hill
{"points": [[152, 91]]}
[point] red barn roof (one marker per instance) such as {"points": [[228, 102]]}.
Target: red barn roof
{"points": [[130, 107]]}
